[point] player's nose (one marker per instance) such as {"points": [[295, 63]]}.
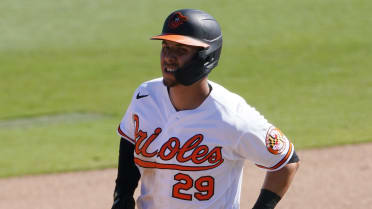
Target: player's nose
{"points": [[169, 57]]}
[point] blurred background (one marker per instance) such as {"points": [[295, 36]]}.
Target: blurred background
{"points": [[68, 70]]}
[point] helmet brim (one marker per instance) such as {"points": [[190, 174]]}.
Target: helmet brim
{"points": [[186, 40]]}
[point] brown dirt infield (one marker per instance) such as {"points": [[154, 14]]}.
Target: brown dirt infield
{"points": [[332, 178]]}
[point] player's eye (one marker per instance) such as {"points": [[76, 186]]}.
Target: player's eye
{"points": [[181, 52], [165, 49]]}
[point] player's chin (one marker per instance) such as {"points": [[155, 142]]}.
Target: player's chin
{"points": [[169, 82], [169, 79]]}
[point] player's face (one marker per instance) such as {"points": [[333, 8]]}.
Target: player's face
{"points": [[174, 56]]}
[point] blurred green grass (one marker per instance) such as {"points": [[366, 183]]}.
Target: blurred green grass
{"points": [[303, 64]]}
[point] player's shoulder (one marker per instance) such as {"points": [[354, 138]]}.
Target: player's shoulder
{"points": [[226, 98], [233, 105]]}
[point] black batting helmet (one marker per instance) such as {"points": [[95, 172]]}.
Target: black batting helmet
{"points": [[194, 28]]}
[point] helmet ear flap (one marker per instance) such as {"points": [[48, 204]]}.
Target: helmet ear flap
{"points": [[205, 57], [212, 59], [202, 54]]}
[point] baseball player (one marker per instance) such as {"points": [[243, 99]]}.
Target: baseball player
{"points": [[187, 137]]}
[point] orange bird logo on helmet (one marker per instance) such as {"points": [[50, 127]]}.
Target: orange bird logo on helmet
{"points": [[176, 20]]}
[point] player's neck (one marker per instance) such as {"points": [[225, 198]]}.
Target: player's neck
{"points": [[189, 97]]}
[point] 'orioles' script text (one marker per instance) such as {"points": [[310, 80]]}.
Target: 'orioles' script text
{"points": [[174, 149]]}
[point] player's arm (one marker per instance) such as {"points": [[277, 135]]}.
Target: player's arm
{"points": [[127, 177], [276, 184]]}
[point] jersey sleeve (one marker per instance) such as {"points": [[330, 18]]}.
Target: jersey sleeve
{"points": [[261, 142], [126, 126]]}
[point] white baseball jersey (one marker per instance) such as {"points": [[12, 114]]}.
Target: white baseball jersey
{"points": [[194, 158]]}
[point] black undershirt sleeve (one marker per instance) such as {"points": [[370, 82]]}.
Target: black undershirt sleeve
{"points": [[294, 158], [266, 200], [127, 177]]}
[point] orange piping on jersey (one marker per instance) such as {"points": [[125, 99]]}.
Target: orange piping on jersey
{"points": [[124, 135], [147, 164], [281, 162]]}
